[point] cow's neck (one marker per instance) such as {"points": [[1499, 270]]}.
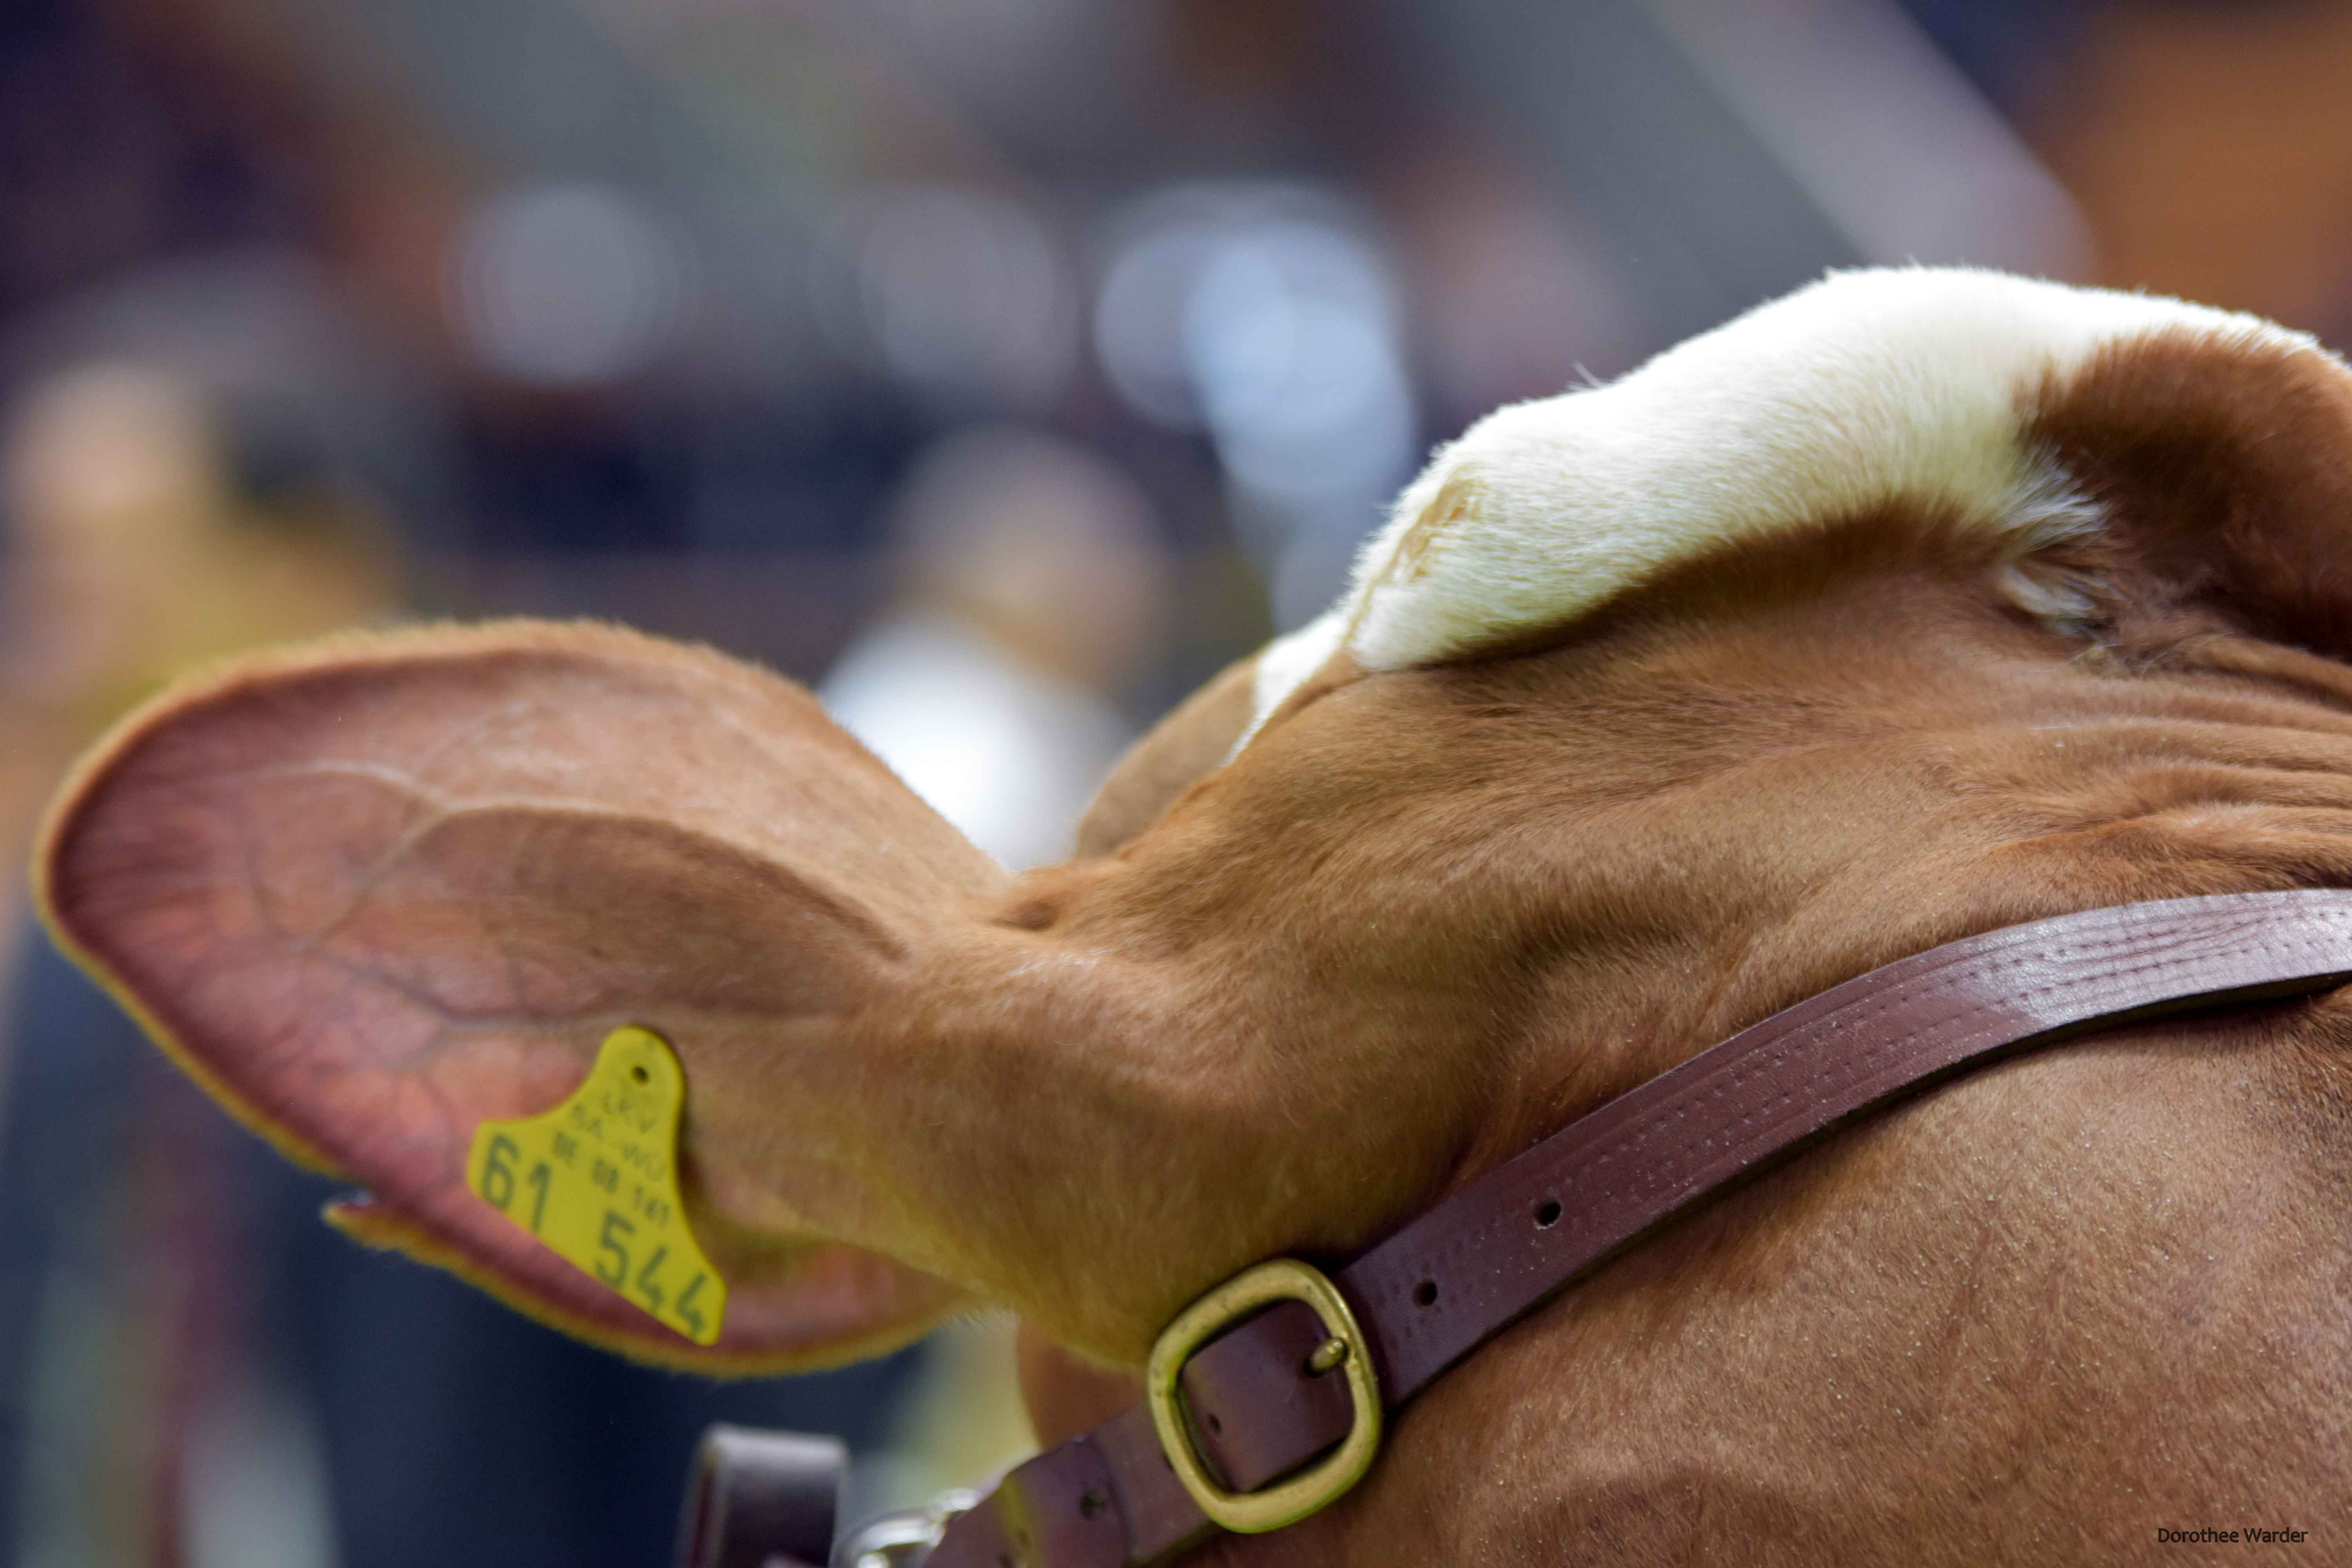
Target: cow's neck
{"points": [[2112, 1264], [1784, 800], [1432, 915], [1462, 906], [2104, 1272]]}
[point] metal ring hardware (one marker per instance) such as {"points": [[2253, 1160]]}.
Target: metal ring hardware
{"points": [[1313, 1489]]}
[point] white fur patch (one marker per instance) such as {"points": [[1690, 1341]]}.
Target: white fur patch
{"points": [[1900, 383], [1284, 665]]}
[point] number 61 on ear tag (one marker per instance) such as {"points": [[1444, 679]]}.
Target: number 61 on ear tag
{"points": [[596, 1180]]}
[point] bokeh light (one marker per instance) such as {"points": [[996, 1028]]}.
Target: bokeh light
{"points": [[571, 284]]}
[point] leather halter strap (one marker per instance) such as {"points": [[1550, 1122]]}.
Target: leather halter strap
{"points": [[1498, 1246]]}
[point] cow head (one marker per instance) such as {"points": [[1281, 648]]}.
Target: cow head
{"points": [[1919, 603]]}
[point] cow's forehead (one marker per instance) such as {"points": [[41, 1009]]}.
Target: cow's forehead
{"points": [[1913, 385]]}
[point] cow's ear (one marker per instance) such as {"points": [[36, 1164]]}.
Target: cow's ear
{"points": [[376, 892], [2221, 465], [1180, 750], [1209, 728]]}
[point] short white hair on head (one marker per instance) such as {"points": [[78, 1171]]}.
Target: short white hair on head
{"points": [[1867, 387]]}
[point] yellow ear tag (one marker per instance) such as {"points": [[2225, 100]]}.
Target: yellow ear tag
{"points": [[596, 1179]]}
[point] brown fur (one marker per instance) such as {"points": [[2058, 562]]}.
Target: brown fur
{"points": [[2027, 1320], [2222, 467], [1192, 740], [1424, 918]]}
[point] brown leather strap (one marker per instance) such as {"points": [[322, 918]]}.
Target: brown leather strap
{"points": [[1500, 1246]]}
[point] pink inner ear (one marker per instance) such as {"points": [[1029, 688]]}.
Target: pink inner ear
{"points": [[375, 896]]}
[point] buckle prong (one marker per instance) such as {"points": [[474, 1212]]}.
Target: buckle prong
{"points": [[1320, 1485]]}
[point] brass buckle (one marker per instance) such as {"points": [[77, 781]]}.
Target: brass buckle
{"points": [[1310, 1491]]}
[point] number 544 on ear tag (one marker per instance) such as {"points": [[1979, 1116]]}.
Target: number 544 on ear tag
{"points": [[596, 1180]]}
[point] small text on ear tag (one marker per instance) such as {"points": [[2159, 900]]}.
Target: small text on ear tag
{"points": [[596, 1180]]}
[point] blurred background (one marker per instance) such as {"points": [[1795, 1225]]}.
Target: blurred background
{"points": [[1002, 368]]}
